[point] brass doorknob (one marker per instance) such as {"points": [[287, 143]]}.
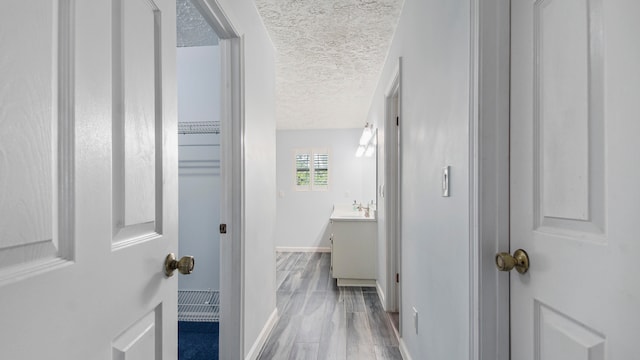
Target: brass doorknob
{"points": [[185, 265], [519, 260]]}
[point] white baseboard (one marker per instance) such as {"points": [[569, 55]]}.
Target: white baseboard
{"points": [[302, 249], [403, 350], [263, 336], [381, 296]]}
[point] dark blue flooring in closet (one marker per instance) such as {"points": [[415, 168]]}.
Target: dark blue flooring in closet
{"points": [[198, 340]]}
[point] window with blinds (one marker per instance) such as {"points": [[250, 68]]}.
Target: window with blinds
{"points": [[303, 169], [321, 169], [312, 169]]}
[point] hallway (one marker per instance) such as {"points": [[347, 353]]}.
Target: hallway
{"points": [[319, 320]]}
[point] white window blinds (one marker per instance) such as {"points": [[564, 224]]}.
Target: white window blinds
{"points": [[311, 169]]}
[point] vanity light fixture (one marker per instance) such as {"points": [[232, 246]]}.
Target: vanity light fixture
{"points": [[370, 150], [367, 143], [367, 134]]}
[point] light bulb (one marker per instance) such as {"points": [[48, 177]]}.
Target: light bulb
{"points": [[369, 151], [366, 135]]}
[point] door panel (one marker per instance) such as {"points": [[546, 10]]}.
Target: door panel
{"points": [[568, 118], [137, 118], [562, 121], [141, 340], [567, 208], [88, 179], [33, 233], [559, 337]]}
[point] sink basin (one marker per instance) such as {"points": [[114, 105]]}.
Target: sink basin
{"points": [[350, 215], [346, 212]]}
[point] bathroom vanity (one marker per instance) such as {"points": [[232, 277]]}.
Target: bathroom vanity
{"points": [[353, 247]]}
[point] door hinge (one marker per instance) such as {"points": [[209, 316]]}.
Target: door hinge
{"points": [[397, 278], [223, 228]]}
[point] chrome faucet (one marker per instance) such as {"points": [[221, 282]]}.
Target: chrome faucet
{"points": [[366, 209]]}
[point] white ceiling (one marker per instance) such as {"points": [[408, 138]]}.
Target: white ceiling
{"points": [[329, 57], [192, 28]]}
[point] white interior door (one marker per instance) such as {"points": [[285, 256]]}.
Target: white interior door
{"points": [[575, 178], [88, 179]]}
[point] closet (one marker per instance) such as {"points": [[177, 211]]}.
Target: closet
{"points": [[199, 180]]}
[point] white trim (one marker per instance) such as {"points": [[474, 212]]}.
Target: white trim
{"points": [[238, 194], [381, 296], [355, 282], [232, 179], [302, 249], [403, 350], [254, 352], [392, 183], [489, 178], [474, 210], [216, 17]]}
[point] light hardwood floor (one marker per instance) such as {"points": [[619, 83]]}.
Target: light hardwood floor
{"points": [[319, 320]]}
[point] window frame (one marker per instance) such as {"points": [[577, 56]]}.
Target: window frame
{"points": [[311, 152]]}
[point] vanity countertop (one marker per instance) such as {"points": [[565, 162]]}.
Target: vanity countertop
{"points": [[346, 213]]}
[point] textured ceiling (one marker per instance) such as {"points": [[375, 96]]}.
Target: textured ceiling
{"points": [[329, 57], [193, 30]]}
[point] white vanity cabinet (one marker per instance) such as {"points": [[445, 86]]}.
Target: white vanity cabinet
{"points": [[354, 250]]}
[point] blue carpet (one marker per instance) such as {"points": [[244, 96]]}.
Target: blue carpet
{"points": [[198, 340]]}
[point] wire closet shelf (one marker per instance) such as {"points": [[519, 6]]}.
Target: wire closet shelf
{"points": [[199, 127], [199, 305]]}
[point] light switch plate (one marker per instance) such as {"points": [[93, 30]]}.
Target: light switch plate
{"points": [[445, 181]]}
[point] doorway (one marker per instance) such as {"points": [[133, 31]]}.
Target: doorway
{"points": [[212, 153], [544, 68], [199, 84], [393, 198], [489, 179], [574, 200]]}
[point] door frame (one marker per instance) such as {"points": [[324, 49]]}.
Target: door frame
{"points": [[232, 124], [393, 167], [489, 178]]}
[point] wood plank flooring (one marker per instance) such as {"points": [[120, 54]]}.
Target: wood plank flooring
{"points": [[319, 320]]}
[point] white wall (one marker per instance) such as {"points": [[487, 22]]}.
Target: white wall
{"points": [[198, 71], [433, 39], [260, 167], [303, 216], [199, 208], [198, 76]]}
